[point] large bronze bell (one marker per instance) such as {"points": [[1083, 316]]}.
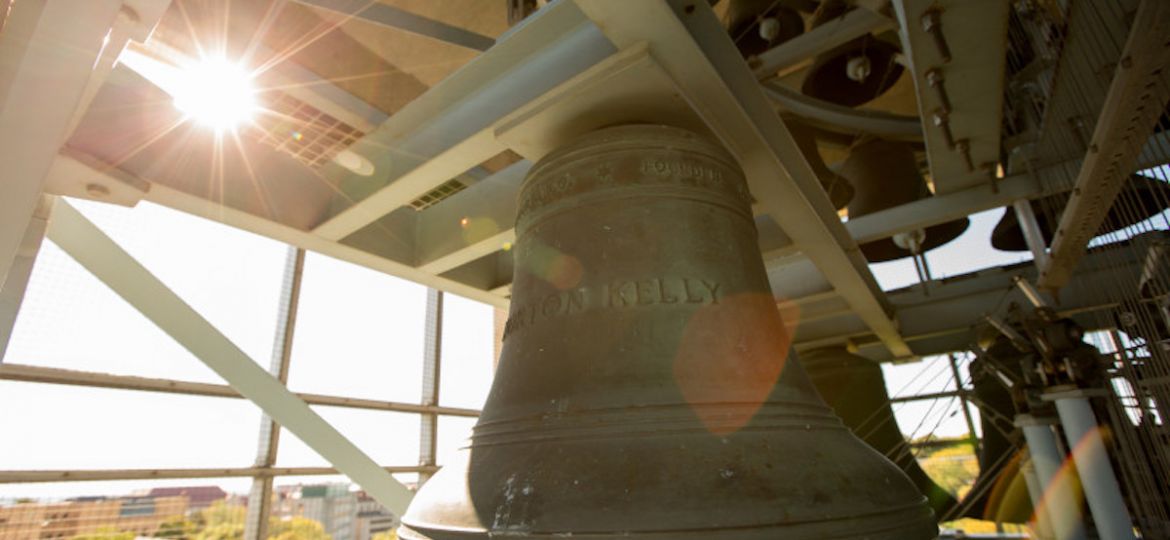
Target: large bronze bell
{"points": [[885, 175], [856, 390], [837, 187], [854, 73], [1141, 198], [645, 389]]}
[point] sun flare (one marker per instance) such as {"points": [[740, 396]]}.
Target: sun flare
{"points": [[216, 93]]}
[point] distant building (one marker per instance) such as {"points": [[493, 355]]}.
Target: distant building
{"points": [[344, 514], [63, 520], [198, 497], [372, 518]]}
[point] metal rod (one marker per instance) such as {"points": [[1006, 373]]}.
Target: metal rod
{"points": [[27, 373], [24, 477], [961, 392], [1032, 234], [932, 395]]}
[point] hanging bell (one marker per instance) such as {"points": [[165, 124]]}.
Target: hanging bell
{"points": [[758, 25], [837, 187], [885, 175], [645, 389], [1141, 199], [856, 390], [854, 73]]}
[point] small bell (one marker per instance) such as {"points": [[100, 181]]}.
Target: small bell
{"points": [[885, 175], [854, 73]]}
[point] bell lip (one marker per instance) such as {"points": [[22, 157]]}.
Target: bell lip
{"points": [[899, 523], [885, 250], [1007, 235]]}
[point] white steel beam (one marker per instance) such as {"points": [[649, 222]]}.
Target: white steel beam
{"points": [[47, 55], [12, 289], [450, 127], [966, 84], [107, 261], [71, 170], [688, 41]]}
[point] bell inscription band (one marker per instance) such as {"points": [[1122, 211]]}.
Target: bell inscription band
{"points": [[646, 387]]}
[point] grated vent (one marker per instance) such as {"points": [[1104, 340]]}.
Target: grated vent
{"points": [[302, 131], [434, 196]]}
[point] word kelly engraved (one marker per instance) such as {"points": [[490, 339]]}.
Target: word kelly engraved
{"points": [[645, 292], [617, 294]]}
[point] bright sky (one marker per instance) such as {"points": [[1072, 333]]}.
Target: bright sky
{"points": [[359, 333]]}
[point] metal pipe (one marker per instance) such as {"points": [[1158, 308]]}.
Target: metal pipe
{"points": [[1088, 452], [1058, 500], [1043, 525]]}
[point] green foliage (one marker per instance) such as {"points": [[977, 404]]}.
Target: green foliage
{"points": [[388, 535], [222, 531], [220, 521], [178, 527], [953, 467], [105, 533], [297, 528]]}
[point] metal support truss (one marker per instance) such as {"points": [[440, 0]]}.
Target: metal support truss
{"points": [[107, 261], [1136, 98], [260, 498], [12, 289], [432, 364], [48, 52]]}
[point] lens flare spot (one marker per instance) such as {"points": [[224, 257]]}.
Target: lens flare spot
{"points": [[559, 269], [297, 136], [477, 230], [729, 358]]}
